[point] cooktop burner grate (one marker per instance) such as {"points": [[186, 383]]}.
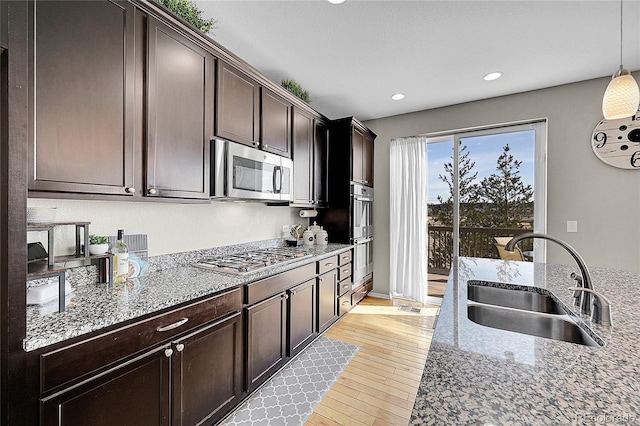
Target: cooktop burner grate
{"points": [[243, 263]]}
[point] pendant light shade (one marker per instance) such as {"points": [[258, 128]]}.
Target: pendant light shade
{"points": [[622, 96]]}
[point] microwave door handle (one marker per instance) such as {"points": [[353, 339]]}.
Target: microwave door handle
{"points": [[277, 178]]}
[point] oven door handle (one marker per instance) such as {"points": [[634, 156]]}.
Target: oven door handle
{"points": [[362, 198], [363, 241]]}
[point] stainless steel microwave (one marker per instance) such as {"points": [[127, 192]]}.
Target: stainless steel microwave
{"points": [[244, 173]]}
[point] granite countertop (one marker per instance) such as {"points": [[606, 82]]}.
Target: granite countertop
{"points": [[480, 375], [93, 306]]}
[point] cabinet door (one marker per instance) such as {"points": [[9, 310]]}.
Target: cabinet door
{"points": [[134, 393], [320, 162], [266, 339], [367, 160], [357, 140], [237, 106], [327, 286], [302, 158], [302, 316], [179, 108], [275, 131], [207, 372], [82, 132]]}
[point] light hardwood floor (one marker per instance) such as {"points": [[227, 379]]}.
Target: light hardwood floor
{"points": [[380, 384]]}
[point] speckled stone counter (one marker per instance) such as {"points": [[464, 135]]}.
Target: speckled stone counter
{"points": [[485, 376], [172, 281]]}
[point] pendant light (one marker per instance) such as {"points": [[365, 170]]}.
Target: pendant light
{"points": [[622, 96]]}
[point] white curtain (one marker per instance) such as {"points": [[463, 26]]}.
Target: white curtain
{"points": [[408, 218]]}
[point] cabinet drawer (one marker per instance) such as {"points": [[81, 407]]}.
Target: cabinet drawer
{"points": [[267, 287], [63, 365], [344, 304], [344, 271], [327, 264], [358, 294], [343, 287], [345, 258]]}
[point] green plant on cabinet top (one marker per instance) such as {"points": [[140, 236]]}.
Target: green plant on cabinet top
{"points": [[188, 11], [295, 88]]}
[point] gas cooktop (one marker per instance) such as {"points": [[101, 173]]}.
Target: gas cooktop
{"points": [[252, 261]]}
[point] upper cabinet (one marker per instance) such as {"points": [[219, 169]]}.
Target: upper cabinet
{"points": [[351, 135], [310, 150], [237, 106], [362, 156], [275, 129], [93, 60], [179, 114], [83, 119]]}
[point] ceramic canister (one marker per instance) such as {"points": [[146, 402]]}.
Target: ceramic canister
{"points": [[309, 237], [322, 237]]}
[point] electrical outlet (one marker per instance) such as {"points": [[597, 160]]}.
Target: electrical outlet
{"points": [[286, 229], [572, 226]]}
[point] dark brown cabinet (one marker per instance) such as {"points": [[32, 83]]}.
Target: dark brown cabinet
{"points": [[133, 393], [310, 150], [237, 106], [302, 316], [89, 130], [157, 371], [320, 162], [179, 114], [275, 129], [266, 333], [362, 161], [82, 130], [207, 372], [327, 312], [302, 158]]}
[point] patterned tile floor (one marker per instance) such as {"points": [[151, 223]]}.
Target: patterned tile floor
{"points": [[291, 395]]}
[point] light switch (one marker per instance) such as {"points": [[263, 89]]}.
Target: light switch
{"points": [[572, 226]]}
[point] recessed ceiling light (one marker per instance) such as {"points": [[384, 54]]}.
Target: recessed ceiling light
{"points": [[397, 96], [336, 1], [493, 76]]}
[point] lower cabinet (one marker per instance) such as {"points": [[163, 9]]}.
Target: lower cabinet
{"points": [[266, 339], [302, 316], [193, 380], [207, 372], [133, 393], [327, 312]]}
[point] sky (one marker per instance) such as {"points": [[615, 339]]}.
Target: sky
{"points": [[484, 150]]}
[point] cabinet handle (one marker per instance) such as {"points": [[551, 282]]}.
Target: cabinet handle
{"points": [[172, 326], [265, 146], [256, 144], [179, 347], [320, 279], [168, 352], [328, 264], [294, 292], [130, 190], [152, 191], [285, 296]]}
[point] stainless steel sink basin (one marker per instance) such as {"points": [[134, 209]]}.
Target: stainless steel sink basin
{"points": [[550, 326], [513, 298]]}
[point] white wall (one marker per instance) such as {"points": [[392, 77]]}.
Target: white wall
{"points": [[604, 200], [171, 228]]}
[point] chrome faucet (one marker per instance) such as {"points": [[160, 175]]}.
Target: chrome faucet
{"points": [[585, 304]]}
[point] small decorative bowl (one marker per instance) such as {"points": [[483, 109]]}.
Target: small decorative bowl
{"points": [[98, 248], [41, 214]]}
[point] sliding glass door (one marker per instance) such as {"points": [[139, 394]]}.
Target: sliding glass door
{"points": [[485, 186]]}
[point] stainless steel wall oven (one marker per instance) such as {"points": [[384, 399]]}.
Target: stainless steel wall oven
{"points": [[362, 232]]}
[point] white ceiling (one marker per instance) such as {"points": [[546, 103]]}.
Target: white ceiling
{"points": [[352, 57]]}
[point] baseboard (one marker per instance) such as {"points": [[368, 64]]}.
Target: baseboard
{"points": [[379, 295]]}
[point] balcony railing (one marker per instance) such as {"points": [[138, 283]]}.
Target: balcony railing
{"points": [[474, 242]]}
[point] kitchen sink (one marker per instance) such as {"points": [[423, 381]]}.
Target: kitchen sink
{"points": [[550, 326], [513, 298]]}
